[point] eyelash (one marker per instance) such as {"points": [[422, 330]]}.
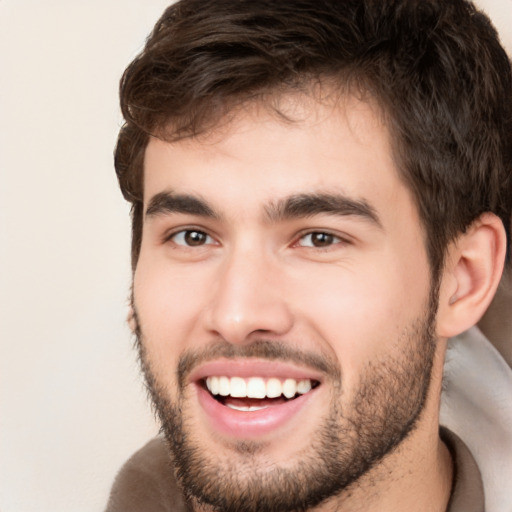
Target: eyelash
{"points": [[183, 232], [332, 239]]}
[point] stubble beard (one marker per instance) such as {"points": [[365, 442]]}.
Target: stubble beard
{"points": [[349, 441]]}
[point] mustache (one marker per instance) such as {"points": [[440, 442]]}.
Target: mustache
{"points": [[272, 350], [262, 349]]}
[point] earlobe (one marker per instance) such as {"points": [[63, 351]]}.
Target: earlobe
{"points": [[474, 264], [131, 320]]}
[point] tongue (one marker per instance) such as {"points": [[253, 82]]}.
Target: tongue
{"points": [[253, 402]]}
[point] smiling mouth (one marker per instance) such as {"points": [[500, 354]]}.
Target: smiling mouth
{"points": [[256, 393]]}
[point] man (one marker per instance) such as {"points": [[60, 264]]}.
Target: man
{"points": [[321, 199]]}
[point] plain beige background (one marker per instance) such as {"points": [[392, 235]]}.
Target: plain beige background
{"points": [[72, 405]]}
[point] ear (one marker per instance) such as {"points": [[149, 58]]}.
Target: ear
{"points": [[131, 320], [473, 267]]}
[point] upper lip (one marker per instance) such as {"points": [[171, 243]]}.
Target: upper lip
{"points": [[250, 367]]}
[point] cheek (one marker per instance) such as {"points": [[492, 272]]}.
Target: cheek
{"points": [[361, 315], [168, 304]]}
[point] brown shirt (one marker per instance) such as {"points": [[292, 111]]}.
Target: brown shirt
{"points": [[468, 489], [146, 482]]}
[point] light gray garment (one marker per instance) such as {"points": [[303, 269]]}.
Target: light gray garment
{"points": [[477, 406]]}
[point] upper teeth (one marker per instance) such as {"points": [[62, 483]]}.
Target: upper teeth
{"points": [[256, 387]]}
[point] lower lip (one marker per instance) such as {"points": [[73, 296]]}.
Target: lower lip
{"points": [[250, 424]]}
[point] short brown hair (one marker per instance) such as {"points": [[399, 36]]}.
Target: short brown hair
{"points": [[436, 67]]}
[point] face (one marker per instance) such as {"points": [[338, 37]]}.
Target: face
{"points": [[283, 308]]}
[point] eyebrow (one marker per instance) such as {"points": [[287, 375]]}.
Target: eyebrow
{"points": [[292, 207], [308, 205], [168, 202]]}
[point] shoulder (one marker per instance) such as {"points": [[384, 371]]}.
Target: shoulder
{"points": [[476, 405], [146, 482]]}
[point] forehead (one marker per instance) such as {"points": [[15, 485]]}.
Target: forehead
{"points": [[310, 147]]}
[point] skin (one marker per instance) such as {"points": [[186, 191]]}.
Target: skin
{"points": [[350, 301]]}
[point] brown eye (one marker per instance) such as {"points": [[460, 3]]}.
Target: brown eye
{"points": [[321, 239], [191, 238], [318, 239]]}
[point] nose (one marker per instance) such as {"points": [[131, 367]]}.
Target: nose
{"points": [[248, 299]]}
